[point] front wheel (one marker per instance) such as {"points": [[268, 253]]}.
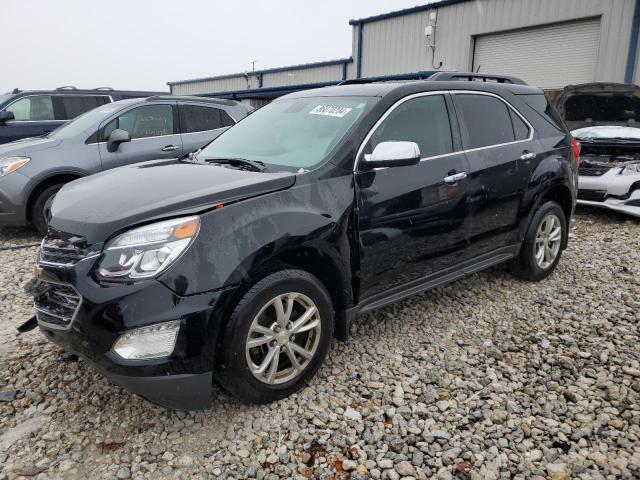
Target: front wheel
{"points": [[277, 337], [41, 209], [542, 247]]}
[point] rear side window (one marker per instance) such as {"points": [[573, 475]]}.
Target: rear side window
{"points": [[33, 108], [485, 120], [423, 120], [142, 122], [541, 105], [227, 121], [520, 129], [195, 118], [74, 105]]}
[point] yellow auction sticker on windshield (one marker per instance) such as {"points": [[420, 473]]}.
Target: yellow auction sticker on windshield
{"points": [[330, 111]]}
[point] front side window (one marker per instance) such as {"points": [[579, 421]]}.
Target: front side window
{"points": [[143, 122], [195, 118], [34, 108], [291, 133], [423, 120], [486, 121]]}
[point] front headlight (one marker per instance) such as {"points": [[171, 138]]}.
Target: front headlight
{"points": [[631, 169], [146, 251], [11, 164]]}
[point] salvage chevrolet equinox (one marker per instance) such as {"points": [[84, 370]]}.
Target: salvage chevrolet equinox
{"points": [[237, 265]]}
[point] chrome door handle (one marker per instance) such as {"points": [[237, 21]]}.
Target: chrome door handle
{"points": [[170, 148], [528, 156], [451, 179]]}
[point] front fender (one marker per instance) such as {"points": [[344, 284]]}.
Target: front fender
{"points": [[236, 240]]}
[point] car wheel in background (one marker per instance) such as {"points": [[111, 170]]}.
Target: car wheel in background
{"points": [[277, 337], [542, 247], [41, 209]]}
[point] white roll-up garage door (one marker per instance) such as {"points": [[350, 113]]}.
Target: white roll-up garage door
{"points": [[552, 56]]}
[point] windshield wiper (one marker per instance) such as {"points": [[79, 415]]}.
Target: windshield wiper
{"points": [[191, 157], [239, 162]]}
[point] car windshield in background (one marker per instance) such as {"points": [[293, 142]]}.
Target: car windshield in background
{"points": [[84, 123], [603, 107], [290, 133]]}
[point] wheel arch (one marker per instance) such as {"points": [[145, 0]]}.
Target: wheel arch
{"points": [[46, 182]]}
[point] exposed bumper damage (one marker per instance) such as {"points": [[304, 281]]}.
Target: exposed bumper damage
{"points": [[604, 183]]}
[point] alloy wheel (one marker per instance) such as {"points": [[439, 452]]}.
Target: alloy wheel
{"points": [[548, 241], [283, 338]]}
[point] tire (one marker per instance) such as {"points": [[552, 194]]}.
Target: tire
{"points": [[257, 310], [40, 213], [526, 265]]}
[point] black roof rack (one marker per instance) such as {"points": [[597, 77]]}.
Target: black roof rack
{"points": [[67, 87], [474, 77], [218, 101]]}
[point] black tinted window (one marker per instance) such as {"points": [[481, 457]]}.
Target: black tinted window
{"points": [[422, 120], [195, 118], [74, 105], [486, 121], [227, 121], [520, 128], [541, 105]]}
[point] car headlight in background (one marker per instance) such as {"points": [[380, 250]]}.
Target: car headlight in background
{"points": [[146, 251], [631, 169], [154, 341], [11, 164]]}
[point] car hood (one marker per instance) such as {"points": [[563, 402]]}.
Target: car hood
{"points": [[600, 103], [96, 207], [27, 146]]}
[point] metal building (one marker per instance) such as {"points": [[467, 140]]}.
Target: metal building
{"points": [[548, 43]]}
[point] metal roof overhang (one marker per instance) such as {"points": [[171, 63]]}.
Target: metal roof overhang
{"points": [[271, 93]]}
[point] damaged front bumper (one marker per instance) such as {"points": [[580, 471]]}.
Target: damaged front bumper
{"points": [[611, 190], [86, 318]]}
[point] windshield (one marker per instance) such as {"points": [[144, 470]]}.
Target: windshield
{"points": [[292, 133], [86, 123]]}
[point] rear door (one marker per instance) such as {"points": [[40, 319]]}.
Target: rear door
{"points": [[412, 222], [499, 144], [154, 135], [34, 116], [200, 124]]}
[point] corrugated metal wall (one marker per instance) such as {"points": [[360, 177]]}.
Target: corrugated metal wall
{"points": [[195, 87], [398, 45], [304, 76]]}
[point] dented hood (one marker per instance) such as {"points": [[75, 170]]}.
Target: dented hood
{"points": [[101, 205]]}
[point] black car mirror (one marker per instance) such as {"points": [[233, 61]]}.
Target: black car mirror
{"points": [[117, 137], [6, 116], [393, 154]]}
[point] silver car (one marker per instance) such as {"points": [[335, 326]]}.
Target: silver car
{"points": [[605, 118], [129, 131]]}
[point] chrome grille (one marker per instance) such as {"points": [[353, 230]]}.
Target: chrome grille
{"points": [[58, 251], [56, 304]]}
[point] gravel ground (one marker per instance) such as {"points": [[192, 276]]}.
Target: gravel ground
{"points": [[489, 377]]}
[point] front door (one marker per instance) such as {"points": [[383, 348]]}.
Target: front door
{"points": [[154, 135], [34, 116], [412, 222]]}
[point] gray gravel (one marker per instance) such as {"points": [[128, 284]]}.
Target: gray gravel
{"points": [[487, 378]]}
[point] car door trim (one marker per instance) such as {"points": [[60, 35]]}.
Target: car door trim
{"points": [[457, 152]]}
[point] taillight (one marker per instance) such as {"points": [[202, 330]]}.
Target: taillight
{"points": [[575, 149]]}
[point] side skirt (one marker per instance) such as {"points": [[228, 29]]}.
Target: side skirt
{"points": [[428, 282]]}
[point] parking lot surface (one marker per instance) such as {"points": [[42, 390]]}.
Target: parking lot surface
{"points": [[489, 377]]}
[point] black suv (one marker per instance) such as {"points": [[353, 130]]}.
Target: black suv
{"points": [[32, 113], [240, 263]]}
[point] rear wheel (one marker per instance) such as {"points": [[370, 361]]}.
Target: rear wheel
{"points": [[277, 337], [41, 209], [542, 247]]}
